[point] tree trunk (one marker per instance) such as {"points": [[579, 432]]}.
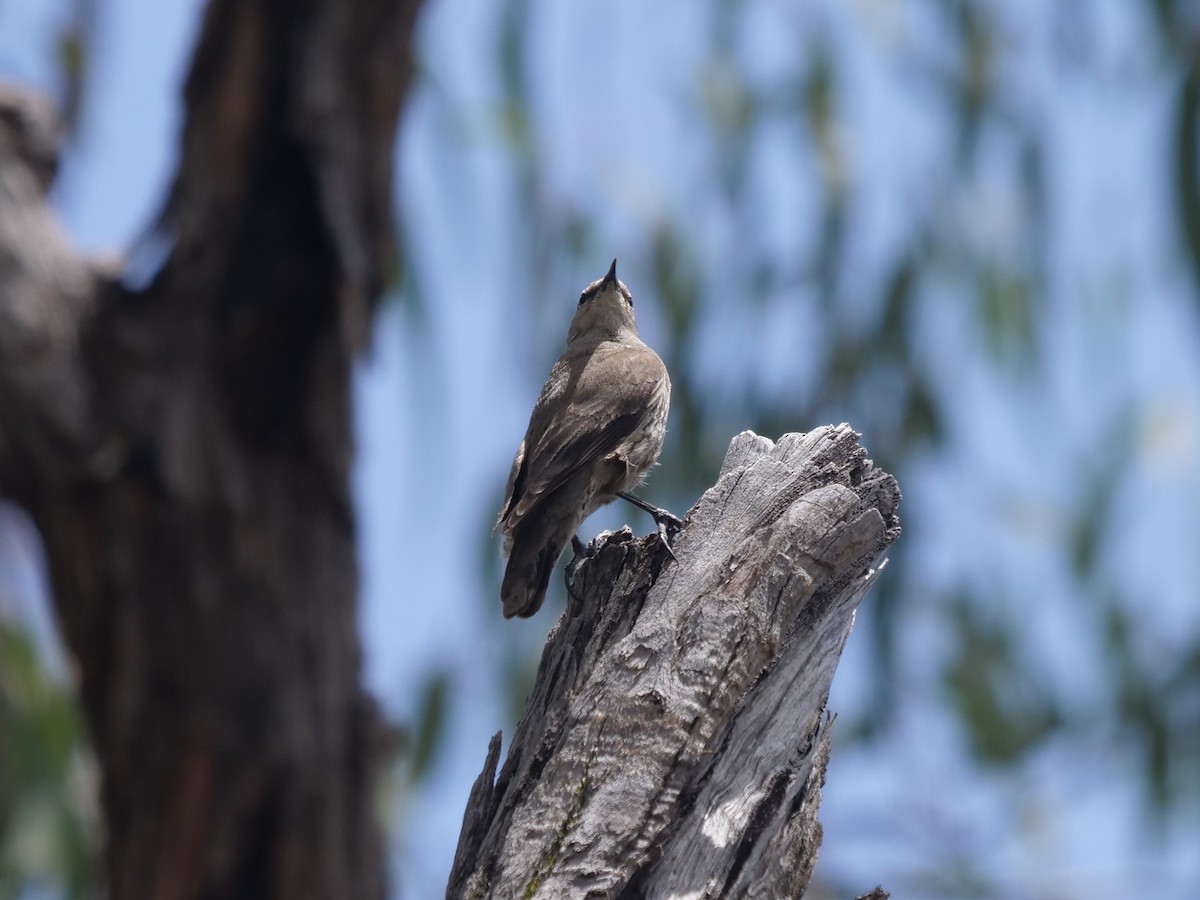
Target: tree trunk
{"points": [[183, 449], [676, 738]]}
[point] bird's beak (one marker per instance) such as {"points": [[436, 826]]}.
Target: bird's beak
{"points": [[610, 280]]}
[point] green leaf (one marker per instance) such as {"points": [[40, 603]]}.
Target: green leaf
{"points": [[898, 296], [430, 724], [1187, 162], [675, 273], [922, 414], [44, 836], [1006, 710]]}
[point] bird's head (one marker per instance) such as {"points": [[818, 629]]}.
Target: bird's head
{"points": [[605, 310]]}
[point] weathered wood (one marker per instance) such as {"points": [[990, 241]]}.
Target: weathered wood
{"points": [[676, 738], [184, 447]]}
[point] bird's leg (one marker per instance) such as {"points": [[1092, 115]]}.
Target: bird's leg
{"points": [[668, 523], [665, 520]]}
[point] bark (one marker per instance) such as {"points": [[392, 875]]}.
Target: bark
{"points": [[676, 738], [183, 449]]}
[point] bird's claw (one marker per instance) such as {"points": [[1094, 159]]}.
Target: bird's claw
{"points": [[669, 525], [665, 533], [668, 522]]}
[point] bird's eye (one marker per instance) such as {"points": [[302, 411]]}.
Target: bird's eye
{"points": [[582, 297]]}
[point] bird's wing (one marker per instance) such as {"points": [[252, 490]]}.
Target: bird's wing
{"points": [[515, 475], [588, 408]]}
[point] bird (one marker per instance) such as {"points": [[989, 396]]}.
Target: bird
{"points": [[596, 430]]}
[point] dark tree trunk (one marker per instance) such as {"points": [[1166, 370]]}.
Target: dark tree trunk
{"points": [[183, 450], [676, 738]]}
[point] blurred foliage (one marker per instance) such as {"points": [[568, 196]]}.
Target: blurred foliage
{"points": [[998, 696], [863, 313], [1187, 162], [45, 839], [74, 47], [856, 311], [428, 726], [48, 832]]}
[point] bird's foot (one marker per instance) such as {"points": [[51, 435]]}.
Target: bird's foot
{"points": [[668, 523], [580, 553], [665, 534]]}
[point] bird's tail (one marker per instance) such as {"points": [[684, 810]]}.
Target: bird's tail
{"points": [[530, 564]]}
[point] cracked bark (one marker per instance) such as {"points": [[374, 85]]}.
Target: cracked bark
{"points": [[676, 738], [183, 450]]}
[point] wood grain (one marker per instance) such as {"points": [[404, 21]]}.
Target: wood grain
{"points": [[676, 738]]}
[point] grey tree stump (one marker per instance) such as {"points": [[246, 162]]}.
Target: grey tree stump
{"points": [[676, 738]]}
